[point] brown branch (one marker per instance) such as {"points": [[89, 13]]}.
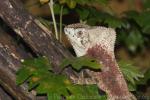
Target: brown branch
{"points": [[35, 35], [4, 95], [10, 56], [26, 26]]}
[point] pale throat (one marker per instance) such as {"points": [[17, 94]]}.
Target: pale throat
{"points": [[78, 42]]}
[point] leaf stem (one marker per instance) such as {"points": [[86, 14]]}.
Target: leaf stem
{"points": [[51, 3], [61, 12]]}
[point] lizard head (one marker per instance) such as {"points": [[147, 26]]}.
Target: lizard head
{"points": [[83, 37], [78, 37]]}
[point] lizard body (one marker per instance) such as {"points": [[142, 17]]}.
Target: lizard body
{"points": [[98, 42]]}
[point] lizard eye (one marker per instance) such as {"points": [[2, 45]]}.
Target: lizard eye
{"points": [[79, 33]]}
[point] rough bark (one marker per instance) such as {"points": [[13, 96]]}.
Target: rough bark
{"points": [[4, 95], [10, 56], [33, 33]]}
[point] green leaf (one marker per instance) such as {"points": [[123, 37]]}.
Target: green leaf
{"points": [[38, 74], [88, 92], [80, 62], [80, 89], [31, 67], [131, 14], [146, 4], [71, 3], [134, 40], [38, 63], [53, 84], [62, 1], [131, 87], [130, 72], [122, 35], [83, 2], [144, 80], [114, 22], [57, 9], [142, 19], [32, 84], [22, 75], [92, 21], [83, 13], [146, 29], [53, 96], [102, 1]]}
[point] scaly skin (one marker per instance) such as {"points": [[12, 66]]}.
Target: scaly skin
{"points": [[98, 42]]}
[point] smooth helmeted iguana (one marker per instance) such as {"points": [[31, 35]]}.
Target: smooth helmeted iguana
{"points": [[98, 42]]}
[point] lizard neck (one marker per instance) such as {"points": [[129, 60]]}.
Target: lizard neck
{"points": [[106, 58], [112, 80]]}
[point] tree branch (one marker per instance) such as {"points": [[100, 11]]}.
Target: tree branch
{"points": [[10, 56], [35, 35], [32, 32]]}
